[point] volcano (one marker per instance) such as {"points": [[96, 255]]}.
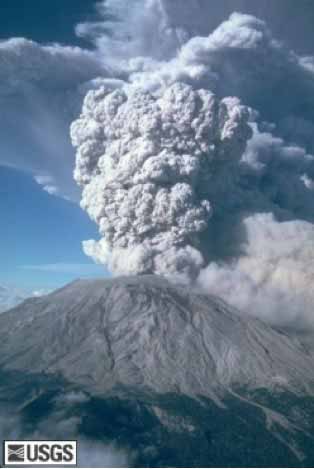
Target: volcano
{"points": [[170, 375]]}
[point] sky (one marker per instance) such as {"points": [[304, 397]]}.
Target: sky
{"points": [[42, 224], [41, 243], [41, 234], [44, 21]]}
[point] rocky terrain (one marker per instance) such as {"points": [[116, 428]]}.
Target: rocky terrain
{"points": [[168, 375]]}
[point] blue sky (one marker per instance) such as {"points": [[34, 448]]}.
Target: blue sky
{"points": [[41, 240], [44, 21]]}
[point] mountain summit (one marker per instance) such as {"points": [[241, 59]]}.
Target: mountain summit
{"points": [[177, 357], [145, 332]]}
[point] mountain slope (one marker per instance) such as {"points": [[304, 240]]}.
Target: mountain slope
{"points": [[146, 332], [172, 374]]}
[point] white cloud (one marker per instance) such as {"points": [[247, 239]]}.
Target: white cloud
{"points": [[40, 292], [40, 92]]}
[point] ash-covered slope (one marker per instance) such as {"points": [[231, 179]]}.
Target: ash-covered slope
{"points": [[145, 332], [172, 377]]}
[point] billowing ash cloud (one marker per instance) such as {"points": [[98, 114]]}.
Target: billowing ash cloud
{"points": [[198, 161], [273, 278], [146, 164]]}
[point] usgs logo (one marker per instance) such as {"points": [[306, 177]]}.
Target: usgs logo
{"points": [[40, 453]]}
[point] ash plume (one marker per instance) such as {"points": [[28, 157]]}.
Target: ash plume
{"points": [[146, 163], [197, 162]]}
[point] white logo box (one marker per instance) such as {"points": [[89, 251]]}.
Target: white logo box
{"points": [[40, 453]]}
